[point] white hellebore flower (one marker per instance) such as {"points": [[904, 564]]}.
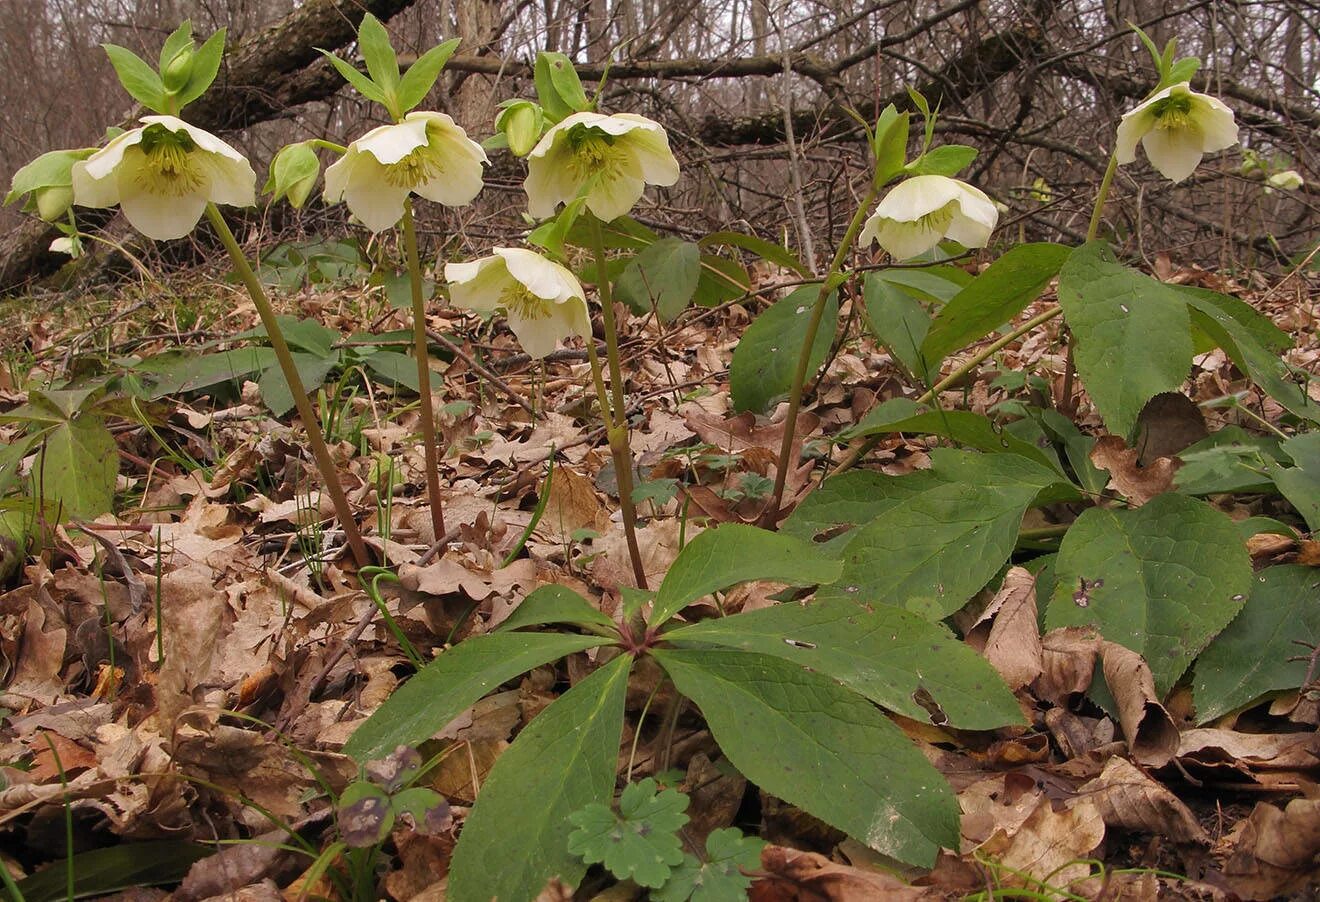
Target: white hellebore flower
{"points": [[543, 301], [162, 175], [619, 155], [1287, 180], [921, 211], [426, 154], [1177, 127]]}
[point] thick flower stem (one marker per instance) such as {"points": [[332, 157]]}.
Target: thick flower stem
{"points": [[953, 378], [615, 412], [770, 515], [320, 452], [430, 448]]}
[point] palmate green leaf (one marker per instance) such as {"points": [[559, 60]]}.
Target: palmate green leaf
{"points": [[993, 298], [378, 54], [947, 160], [1300, 483], [452, 683], [421, 75], [934, 549], [898, 321], [516, 837], [364, 85], [761, 372], [662, 277], [1258, 653], [965, 427], [891, 656], [733, 554], [800, 736], [555, 604], [1132, 333], [205, 65], [138, 78], [1161, 580], [312, 370], [77, 467], [720, 877], [641, 842], [829, 514]]}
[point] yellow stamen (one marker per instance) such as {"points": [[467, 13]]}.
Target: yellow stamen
{"points": [[518, 301], [424, 164], [168, 166]]}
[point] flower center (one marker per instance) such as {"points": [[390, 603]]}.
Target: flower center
{"points": [[424, 164], [594, 154], [519, 302], [937, 220], [168, 166], [1173, 112]]}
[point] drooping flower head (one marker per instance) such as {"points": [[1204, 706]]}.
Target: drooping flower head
{"points": [[162, 175], [1176, 126], [921, 211], [543, 300], [615, 157], [427, 154]]}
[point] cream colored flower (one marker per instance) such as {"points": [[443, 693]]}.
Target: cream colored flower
{"points": [[426, 154], [921, 211], [615, 157], [162, 175], [1287, 180], [543, 301], [1177, 127]]}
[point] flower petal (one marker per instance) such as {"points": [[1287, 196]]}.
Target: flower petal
{"points": [[391, 143], [549, 182], [651, 150], [903, 240], [372, 199], [461, 181], [1175, 152], [614, 195], [1218, 129], [158, 216], [232, 181], [477, 285], [543, 278], [919, 196]]}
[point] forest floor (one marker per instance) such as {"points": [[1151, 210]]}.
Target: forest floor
{"points": [[227, 714]]}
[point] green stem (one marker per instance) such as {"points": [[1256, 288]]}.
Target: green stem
{"points": [[953, 378], [1101, 196], [430, 447], [320, 453], [616, 413], [320, 144], [771, 514]]}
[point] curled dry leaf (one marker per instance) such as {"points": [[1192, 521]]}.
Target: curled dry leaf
{"points": [[1130, 799], [1276, 850], [1151, 734], [1136, 482], [1007, 633], [1067, 662]]}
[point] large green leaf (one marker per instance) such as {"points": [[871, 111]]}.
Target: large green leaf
{"points": [[421, 75], [721, 280], [804, 738], [662, 277], [937, 547], [394, 369], [77, 466], [1300, 483], [555, 604], [1258, 652], [732, 554], [1161, 580], [761, 372], [1230, 460], [997, 295], [175, 372], [138, 78], [516, 837], [452, 683], [965, 427], [889, 655], [312, 371], [898, 321], [100, 872], [846, 501], [767, 250], [1132, 335]]}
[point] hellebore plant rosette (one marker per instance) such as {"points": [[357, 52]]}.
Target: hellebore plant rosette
{"points": [[543, 300], [1176, 126], [163, 175], [614, 157], [427, 154], [921, 211]]}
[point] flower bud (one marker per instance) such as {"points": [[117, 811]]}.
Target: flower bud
{"points": [[521, 123], [53, 202], [178, 70]]}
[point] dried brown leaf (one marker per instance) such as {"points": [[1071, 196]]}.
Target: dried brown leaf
{"points": [[1008, 633], [1150, 732], [1135, 482], [1128, 798], [796, 876], [1276, 850]]}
